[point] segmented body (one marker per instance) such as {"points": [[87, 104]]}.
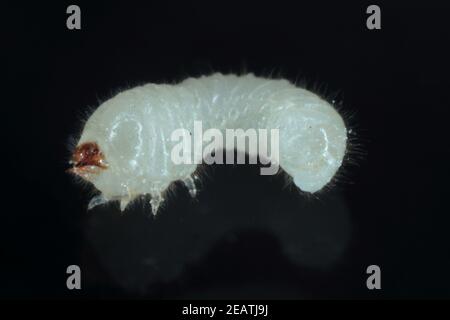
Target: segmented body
{"points": [[133, 131]]}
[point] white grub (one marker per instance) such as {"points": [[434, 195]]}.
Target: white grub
{"points": [[133, 131]]}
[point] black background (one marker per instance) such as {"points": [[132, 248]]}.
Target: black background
{"points": [[246, 236]]}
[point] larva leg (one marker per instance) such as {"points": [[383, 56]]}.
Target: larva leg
{"points": [[97, 201], [126, 199], [189, 182], [100, 199], [124, 203], [156, 200]]}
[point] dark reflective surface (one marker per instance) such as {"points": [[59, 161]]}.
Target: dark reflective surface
{"points": [[246, 236]]}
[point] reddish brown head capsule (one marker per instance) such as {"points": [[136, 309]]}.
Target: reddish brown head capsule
{"points": [[87, 159]]}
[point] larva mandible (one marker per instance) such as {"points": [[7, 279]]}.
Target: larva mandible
{"points": [[124, 149]]}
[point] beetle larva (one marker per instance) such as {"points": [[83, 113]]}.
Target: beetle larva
{"points": [[125, 147]]}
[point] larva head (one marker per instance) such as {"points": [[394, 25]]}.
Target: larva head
{"points": [[87, 160], [112, 131], [313, 140]]}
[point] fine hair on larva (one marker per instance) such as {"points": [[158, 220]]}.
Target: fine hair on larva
{"points": [[125, 146]]}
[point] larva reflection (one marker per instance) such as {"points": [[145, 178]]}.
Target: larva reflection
{"points": [[125, 147]]}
